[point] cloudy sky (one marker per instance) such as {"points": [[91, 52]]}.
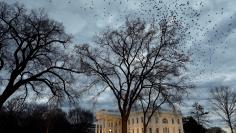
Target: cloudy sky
{"points": [[213, 43]]}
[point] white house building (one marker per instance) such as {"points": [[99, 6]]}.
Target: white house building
{"points": [[161, 122]]}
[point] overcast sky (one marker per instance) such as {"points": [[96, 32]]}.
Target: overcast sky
{"points": [[213, 45]]}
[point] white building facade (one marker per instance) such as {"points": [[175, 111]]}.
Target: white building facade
{"points": [[161, 122]]}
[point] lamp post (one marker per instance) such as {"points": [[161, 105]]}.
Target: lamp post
{"points": [[110, 131]]}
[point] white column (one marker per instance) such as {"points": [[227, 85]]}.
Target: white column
{"points": [[99, 124], [106, 126], [113, 126], [103, 126], [96, 127]]}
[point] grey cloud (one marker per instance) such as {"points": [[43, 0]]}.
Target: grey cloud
{"points": [[214, 60]]}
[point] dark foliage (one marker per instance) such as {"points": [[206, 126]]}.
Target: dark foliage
{"points": [[215, 130], [41, 119], [191, 126]]}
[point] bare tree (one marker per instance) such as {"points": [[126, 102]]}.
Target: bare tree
{"points": [[199, 114], [33, 54], [223, 100], [152, 99], [3, 36], [131, 59], [151, 102]]}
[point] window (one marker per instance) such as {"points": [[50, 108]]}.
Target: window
{"points": [[179, 130], [165, 121], [137, 130], [100, 128], [150, 130], [97, 128], [137, 120], [133, 121], [178, 121], [142, 130], [173, 121], [142, 119], [128, 122], [133, 130], [156, 119], [165, 130], [157, 130]]}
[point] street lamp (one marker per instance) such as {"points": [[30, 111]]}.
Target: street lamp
{"points": [[109, 130]]}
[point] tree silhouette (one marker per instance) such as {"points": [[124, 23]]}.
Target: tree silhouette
{"points": [[133, 58], [33, 56], [151, 100], [223, 100], [199, 114]]}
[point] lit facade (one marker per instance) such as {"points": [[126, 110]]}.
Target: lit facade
{"points": [[161, 122]]}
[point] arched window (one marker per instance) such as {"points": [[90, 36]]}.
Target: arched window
{"points": [[165, 121]]}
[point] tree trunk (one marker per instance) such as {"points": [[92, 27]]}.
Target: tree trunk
{"points": [[145, 124], [1, 102], [144, 129], [231, 128], [229, 121], [3, 98], [9, 90], [124, 120]]}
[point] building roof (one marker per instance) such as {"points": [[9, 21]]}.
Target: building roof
{"points": [[117, 113]]}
